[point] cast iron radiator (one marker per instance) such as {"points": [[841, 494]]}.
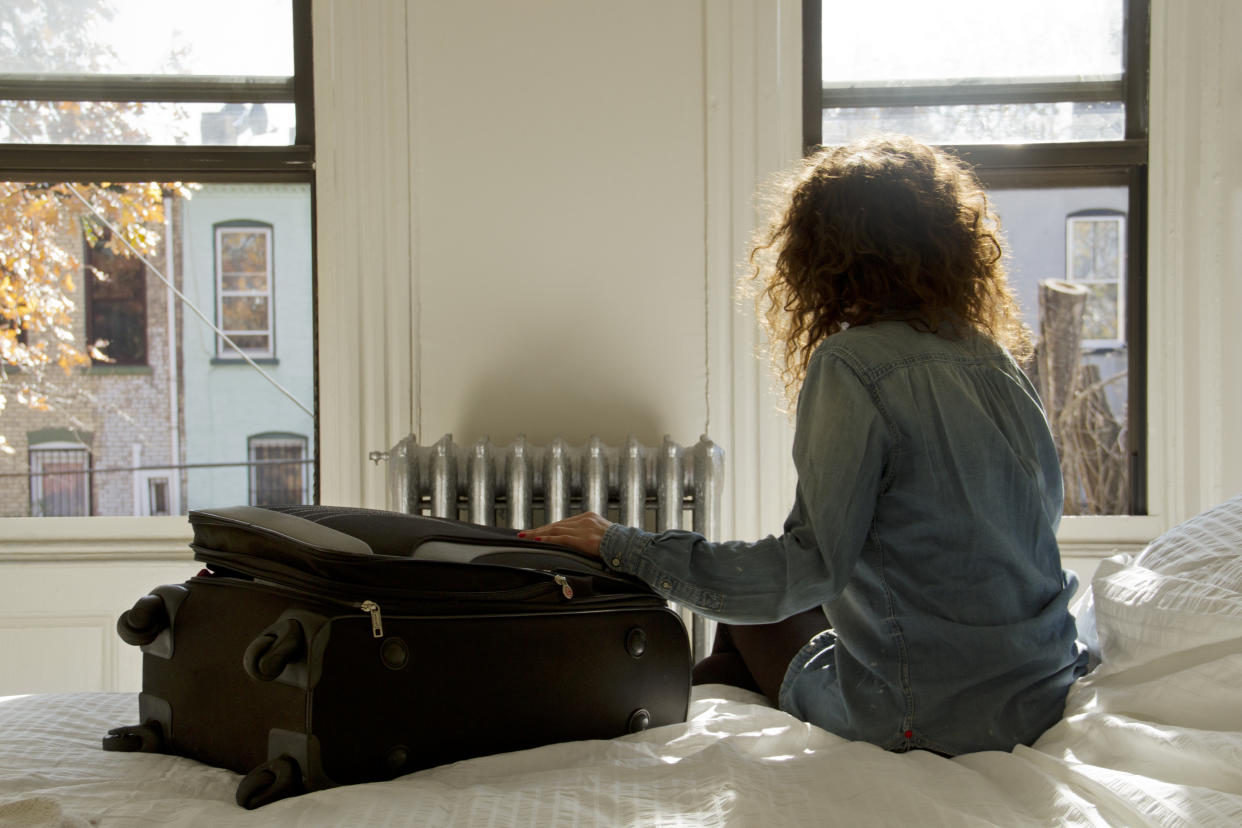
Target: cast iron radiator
{"points": [[522, 485]]}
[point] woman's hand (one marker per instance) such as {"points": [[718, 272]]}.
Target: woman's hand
{"points": [[581, 533]]}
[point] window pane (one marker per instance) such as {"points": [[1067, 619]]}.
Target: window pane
{"points": [[116, 299], [980, 124], [244, 313], [1100, 315], [250, 343], [1081, 363], [147, 37], [157, 496], [125, 124], [903, 41], [234, 283], [183, 416], [1096, 251], [243, 252]]}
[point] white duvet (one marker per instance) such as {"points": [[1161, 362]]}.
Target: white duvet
{"points": [[1153, 736]]}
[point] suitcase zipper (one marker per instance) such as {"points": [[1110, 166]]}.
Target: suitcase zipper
{"points": [[377, 622]]}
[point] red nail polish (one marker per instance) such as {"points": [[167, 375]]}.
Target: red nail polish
{"points": [[521, 534]]}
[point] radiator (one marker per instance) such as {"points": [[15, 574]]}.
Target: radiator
{"points": [[520, 485]]}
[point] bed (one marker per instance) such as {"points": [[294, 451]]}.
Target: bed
{"points": [[1152, 736]]}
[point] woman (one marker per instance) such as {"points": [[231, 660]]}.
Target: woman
{"points": [[929, 490]]}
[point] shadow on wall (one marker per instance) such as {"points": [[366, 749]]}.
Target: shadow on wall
{"points": [[560, 396]]}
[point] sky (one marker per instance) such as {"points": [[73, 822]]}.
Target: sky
{"points": [[948, 39], [226, 37]]}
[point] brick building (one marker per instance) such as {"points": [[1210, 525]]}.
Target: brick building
{"points": [[99, 450]]}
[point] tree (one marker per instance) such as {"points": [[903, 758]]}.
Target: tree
{"points": [[41, 231], [43, 224]]}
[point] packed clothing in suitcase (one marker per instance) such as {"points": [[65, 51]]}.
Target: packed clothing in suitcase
{"points": [[325, 646]]}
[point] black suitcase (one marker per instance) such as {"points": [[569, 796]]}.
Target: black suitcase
{"points": [[325, 646]]}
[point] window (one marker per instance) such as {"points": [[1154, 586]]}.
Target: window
{"points": [[116, 302], [1047, 100], [153, 494], [1095, 258], [60, 480], [132, 136], [278, 470], [244, 290]]}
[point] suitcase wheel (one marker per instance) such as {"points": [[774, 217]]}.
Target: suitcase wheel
{"points": [[273, 780], [148, 738], [273, 649], [142, 624], [640, 719]]}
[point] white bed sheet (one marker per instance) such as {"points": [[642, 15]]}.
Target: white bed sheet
{"points": [[1153, 736]]}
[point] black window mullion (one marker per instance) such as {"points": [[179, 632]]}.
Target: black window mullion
{"points": [[154, 163], [146, 88], [303, 74], [1037, 178], [812, 75], [972, 93], [1136, 62], [1078, 164]]}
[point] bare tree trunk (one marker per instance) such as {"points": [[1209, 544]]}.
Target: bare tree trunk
{"points": [[1058, 358]]}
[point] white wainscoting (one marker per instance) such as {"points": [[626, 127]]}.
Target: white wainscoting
{"points": [[58, 622]]}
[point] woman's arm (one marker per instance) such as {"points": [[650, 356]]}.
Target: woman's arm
{"points": [[840, 448]]}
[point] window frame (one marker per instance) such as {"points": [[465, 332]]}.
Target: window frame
{"points": [[224, 351], [87, 163], [1042, 165], [104, 162]]}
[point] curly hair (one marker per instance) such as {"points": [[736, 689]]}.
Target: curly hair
{"points": [[881, 229]]}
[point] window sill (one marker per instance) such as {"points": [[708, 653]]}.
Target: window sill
{"points": [[118, 370], [1102, 536], [95, 539]]}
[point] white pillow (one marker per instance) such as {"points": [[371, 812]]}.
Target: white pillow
{"points": [[1184, 591]]}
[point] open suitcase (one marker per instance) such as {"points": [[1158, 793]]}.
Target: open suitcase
{"points": [[327, 645]]}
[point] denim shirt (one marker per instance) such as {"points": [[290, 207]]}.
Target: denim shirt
{"points": [[928, 497]]}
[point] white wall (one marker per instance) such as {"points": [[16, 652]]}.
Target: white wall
{"points": [[587, 161], [560, 258], [1196, 256], [556, 195]]}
